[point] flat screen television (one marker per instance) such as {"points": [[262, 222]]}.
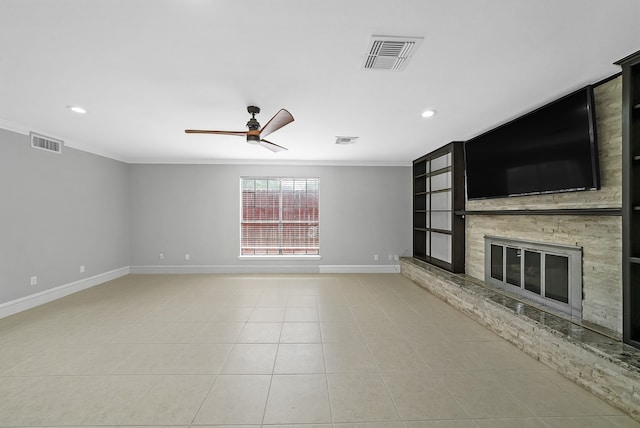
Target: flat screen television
{"points": [[551, 149]]}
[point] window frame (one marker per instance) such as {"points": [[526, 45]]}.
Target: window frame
{"points": [[280, 220]]}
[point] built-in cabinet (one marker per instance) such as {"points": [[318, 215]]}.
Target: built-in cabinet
{"points": [[438, 192], [631, 197]]}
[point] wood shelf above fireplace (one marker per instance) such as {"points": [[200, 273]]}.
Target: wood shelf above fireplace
{"points": [[558, 211]]}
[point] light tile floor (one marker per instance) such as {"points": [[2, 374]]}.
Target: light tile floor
{"points": [[332, 351]]}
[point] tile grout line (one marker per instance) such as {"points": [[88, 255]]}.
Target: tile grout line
{"points": [[204, 398], [218, 372], [273, 368], [324, 363], [379, 372], [215, 378]]}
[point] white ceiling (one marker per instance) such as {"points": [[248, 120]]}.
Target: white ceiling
{"points": [[147, 69]]}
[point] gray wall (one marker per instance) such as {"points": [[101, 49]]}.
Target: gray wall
{"points": [[58, 212], [195, 209]]}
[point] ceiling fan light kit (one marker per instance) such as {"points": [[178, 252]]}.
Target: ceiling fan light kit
{"points": [[253, 139], [255, 133]]}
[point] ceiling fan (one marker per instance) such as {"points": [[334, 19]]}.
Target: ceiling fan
{"points": [[255, 133]]}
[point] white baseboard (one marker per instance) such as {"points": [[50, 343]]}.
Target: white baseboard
{"points": [[359, 268], [189, 269], [240, 269], [23, 303]]}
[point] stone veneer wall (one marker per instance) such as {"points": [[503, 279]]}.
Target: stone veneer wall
{"points": [[600, 236]]}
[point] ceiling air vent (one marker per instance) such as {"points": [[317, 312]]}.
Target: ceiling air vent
{"points": [[45, 143], [390, 52], [346, 140]]}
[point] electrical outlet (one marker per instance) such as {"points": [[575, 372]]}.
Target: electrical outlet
{"points": [[161, 256], [396, 258], [390, 257], [81, 268], [375, 257], [186, 256], [34, 280]]}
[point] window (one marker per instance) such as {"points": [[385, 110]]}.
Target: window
{"points": [[279, 216]]}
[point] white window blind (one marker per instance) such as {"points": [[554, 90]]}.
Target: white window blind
{"points": [[279, 216]]}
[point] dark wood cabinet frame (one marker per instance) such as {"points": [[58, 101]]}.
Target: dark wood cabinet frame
{"points": [[422, 192], [631, 198]]}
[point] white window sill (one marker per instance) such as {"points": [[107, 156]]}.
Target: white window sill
{"points": [[278, 257]]}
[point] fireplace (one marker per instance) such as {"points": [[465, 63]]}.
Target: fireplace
{"points": [[545, 273]]}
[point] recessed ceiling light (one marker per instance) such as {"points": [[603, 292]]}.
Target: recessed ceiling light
{"points": [[429, 113], [345, 140], [77, 109]]}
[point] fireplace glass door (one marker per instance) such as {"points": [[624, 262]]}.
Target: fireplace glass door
{"points": [[513, 266], [557, 278], [532, 271]]}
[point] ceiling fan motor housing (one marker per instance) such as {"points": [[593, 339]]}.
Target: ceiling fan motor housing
{"points": [[253, 124]]}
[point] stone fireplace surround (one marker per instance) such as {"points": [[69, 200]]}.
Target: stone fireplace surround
{"points": [[569, 219], [599, 363]]}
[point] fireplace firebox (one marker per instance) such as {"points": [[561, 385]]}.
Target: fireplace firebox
{"points": [[545, 273]]}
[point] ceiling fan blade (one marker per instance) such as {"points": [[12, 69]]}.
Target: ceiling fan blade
{"points": [[204, 131], [273, 147], [280, 119]]}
